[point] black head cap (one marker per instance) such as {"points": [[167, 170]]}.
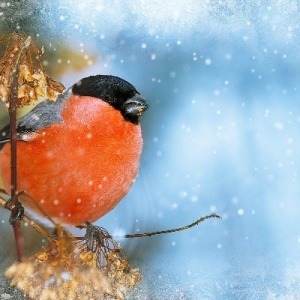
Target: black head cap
{"points": [[117, 92]]}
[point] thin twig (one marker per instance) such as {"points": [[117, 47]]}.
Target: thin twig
{"points": [[50, 237], [13, 95], [30, 222], [13, 150], [130, 236], [173, 230]]}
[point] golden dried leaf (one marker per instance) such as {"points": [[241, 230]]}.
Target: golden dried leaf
{"points": [[42, 82], [28, 77], [3, 93], [55, 85], [20, 80], [51, 94], [24, 73], [32, 94], [37, 75], [22, 91], [88, 258], [42, 256], [40, 91]]}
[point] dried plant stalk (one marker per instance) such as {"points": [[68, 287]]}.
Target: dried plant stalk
{"points": [[22, 81]]}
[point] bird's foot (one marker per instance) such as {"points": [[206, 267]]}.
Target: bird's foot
{"points": [[17, 210], [96, 237]]}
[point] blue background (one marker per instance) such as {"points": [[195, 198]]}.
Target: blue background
{"points": [[221, 135]]}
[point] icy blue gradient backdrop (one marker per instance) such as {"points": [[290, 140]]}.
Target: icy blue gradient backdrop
{"points": [[222, 134]]}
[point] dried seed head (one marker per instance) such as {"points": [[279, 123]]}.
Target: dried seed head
{"points": [[65, 269], [47, 281], [33, 82]]}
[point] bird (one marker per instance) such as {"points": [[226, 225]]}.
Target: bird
{"points": [[78, 156]]}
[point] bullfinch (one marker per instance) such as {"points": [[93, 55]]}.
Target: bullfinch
{"points": [[78, 156]]}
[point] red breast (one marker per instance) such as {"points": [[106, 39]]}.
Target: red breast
{"points": [[80, 168]]}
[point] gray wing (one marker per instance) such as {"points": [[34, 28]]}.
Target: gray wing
{"points": [[44, 114]]}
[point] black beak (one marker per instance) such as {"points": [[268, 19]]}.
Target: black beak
{"points": [[134, 107]]}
